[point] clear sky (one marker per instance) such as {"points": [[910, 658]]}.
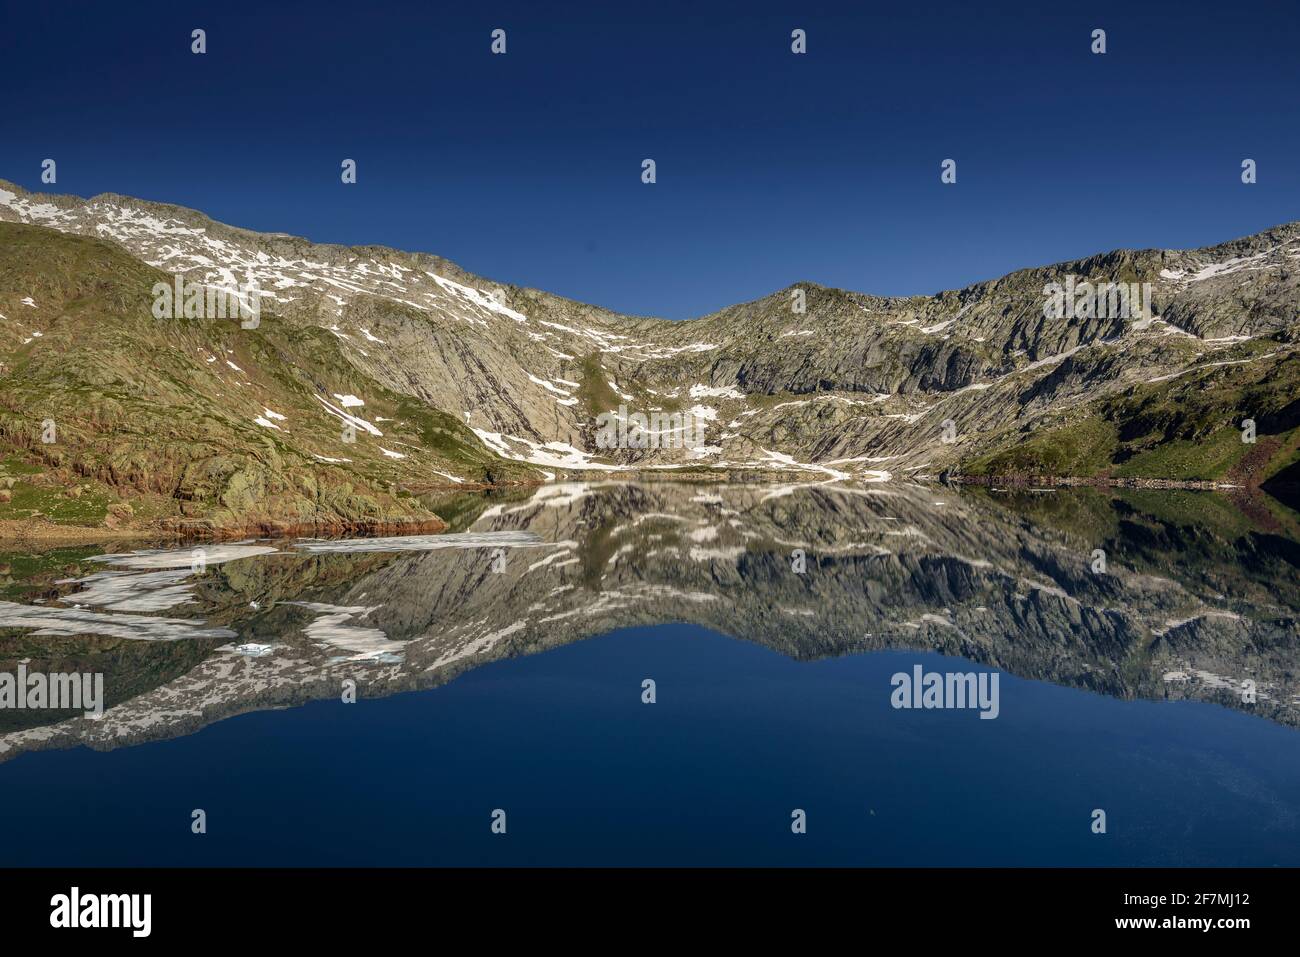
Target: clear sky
{"points": [[773, 168]]}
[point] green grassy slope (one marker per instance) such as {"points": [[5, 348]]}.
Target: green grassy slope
{"points": [[1188, 428], [156, 419]]}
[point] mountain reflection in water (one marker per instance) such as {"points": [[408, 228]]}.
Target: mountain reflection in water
{"points": [[1197, 596]]}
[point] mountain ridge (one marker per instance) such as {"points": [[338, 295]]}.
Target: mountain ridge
{"points": [[1279, 232], [810, 380]]}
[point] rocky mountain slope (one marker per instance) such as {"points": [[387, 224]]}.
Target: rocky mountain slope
{"points": [[109, 413], [478, 374]]}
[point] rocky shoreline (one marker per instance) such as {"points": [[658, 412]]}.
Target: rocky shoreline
{"points": [[40, 532], [31, 533], [1069, 481]]}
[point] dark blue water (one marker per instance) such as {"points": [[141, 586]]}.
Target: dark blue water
{"points": [[739, 737]]}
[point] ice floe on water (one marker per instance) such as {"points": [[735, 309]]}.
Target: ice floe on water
{"points": [[249, 650], [46, 620], [153, 580], [424, 543], [183, 557], [134, 591]]}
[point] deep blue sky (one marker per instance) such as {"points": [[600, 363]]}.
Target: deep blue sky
{"points": [[773, 168]]}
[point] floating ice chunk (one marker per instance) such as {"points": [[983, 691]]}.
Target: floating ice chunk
{"points": [[136, 591], [183, 557], [252, 650], [423, 543], [51, 621]]}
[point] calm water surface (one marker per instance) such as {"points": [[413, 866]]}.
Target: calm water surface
{"points": [[502, 667]]}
